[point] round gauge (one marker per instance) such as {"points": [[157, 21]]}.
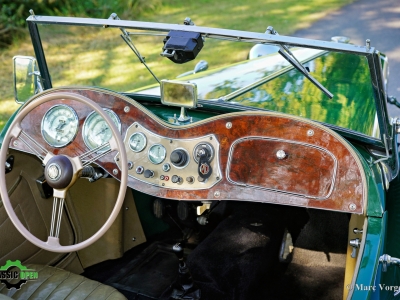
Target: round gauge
{"points": [[96, 132], [137, 142], [59, 125], [157, 154]]}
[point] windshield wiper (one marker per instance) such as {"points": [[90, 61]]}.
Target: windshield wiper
{"points": [[289, 56], [125, 36]]}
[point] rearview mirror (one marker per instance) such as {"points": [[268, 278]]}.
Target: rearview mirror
{"points": [[27, 79], [178, 93]]}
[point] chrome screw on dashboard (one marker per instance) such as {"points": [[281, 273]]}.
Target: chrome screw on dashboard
{"points": [[115, 172], [217, 194], [310, 132], [352, 206], [126, 109], [228, 125], [280, 154], [15, 143]]}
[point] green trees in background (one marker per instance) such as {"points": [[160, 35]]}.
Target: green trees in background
{"points": [[14, 12]]}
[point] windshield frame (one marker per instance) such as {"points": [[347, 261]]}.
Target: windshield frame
{"points": [[370, 53]]}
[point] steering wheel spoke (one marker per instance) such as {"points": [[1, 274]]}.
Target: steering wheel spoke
{"points": [[56, 216], [33, 145]]}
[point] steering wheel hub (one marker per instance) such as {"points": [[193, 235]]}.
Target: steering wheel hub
{"points": [[58, 172]]}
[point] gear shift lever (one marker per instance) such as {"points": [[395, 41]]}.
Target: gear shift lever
{"points": [[184, 288]]}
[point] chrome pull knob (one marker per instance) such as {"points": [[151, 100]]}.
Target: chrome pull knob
{"points": [[355, 243]]}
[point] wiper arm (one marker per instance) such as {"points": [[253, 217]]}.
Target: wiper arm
{"points": [[125, 36], [289, 56]]}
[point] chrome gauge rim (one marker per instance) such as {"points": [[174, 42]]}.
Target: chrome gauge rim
{"points": [[88, 128], [56, 135], [153, 158], [141, 147]]}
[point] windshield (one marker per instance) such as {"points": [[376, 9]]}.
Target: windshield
{"points": [[95, 56]]}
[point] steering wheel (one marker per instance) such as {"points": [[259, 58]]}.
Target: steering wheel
{"points": [[61, 172]]}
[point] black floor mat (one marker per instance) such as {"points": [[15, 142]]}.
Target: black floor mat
{"points": [[149, 275]]}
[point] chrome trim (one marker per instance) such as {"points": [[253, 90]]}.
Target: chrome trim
{"points": [[148, 154], [145, 141], [188, 158], [84, 127], [228, 166], [77, 127], [217, 33]]}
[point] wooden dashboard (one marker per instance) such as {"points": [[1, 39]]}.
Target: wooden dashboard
{"points": [[257, 156]]}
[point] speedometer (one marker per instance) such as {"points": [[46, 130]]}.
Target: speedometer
{"points": [[96, 132], [59, 125]]}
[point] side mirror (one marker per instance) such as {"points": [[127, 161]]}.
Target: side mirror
{"points": [[27, 79]]}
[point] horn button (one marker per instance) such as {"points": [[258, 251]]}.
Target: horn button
{"points": [[59, 172]]}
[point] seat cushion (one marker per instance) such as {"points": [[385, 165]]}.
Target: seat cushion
{"points": [[55, 283]]}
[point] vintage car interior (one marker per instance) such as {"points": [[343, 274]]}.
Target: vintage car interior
{"points": [[108, 199]]}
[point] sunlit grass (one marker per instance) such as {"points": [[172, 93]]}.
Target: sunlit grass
{"points": [[285, 16]]}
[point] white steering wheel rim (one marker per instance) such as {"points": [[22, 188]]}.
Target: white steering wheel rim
{"points": [[14, 129]]}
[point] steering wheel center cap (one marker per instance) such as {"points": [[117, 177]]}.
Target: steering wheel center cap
{"points": [[54, 171], [59, 172]]}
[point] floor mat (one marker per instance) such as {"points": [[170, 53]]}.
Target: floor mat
{"points": [[149, 275]]}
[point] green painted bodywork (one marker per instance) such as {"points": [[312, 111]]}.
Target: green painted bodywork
{"points": [[368, 277]]}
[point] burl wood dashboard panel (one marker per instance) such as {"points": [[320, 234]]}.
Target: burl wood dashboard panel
{"points": [[318, 169]]}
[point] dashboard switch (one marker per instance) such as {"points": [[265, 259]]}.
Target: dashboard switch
{"points": [[176, 179], [166, 167], [190, 179], [148, 174], [179, 158], [139, 170]]}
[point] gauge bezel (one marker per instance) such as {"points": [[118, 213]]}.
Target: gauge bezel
{"points": [[76, 119], [145, 141], [84, 128], [148, 154]]}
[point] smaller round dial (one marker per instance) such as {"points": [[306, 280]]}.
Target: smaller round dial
{"points": [[137, 142], [59, 125], [96, 132], [157, 154]]}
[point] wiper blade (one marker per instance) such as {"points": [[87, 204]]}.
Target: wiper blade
{"points": [[289, 56], [125, 36]]}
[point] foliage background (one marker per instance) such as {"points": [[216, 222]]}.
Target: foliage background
{"points": [[286, 16], [14, 12]]}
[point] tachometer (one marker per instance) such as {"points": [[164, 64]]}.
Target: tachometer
{"points": [[96, 132], [59, 125], [157, 154]]}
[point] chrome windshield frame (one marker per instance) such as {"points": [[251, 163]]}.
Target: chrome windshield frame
{"points": [[371, 54]]}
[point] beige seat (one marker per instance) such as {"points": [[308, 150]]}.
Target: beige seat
{"points": [[55, 283]]}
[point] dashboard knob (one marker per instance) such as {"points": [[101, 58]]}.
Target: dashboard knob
{"points": [[179, 157], [148, 174], [176, 179]]}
